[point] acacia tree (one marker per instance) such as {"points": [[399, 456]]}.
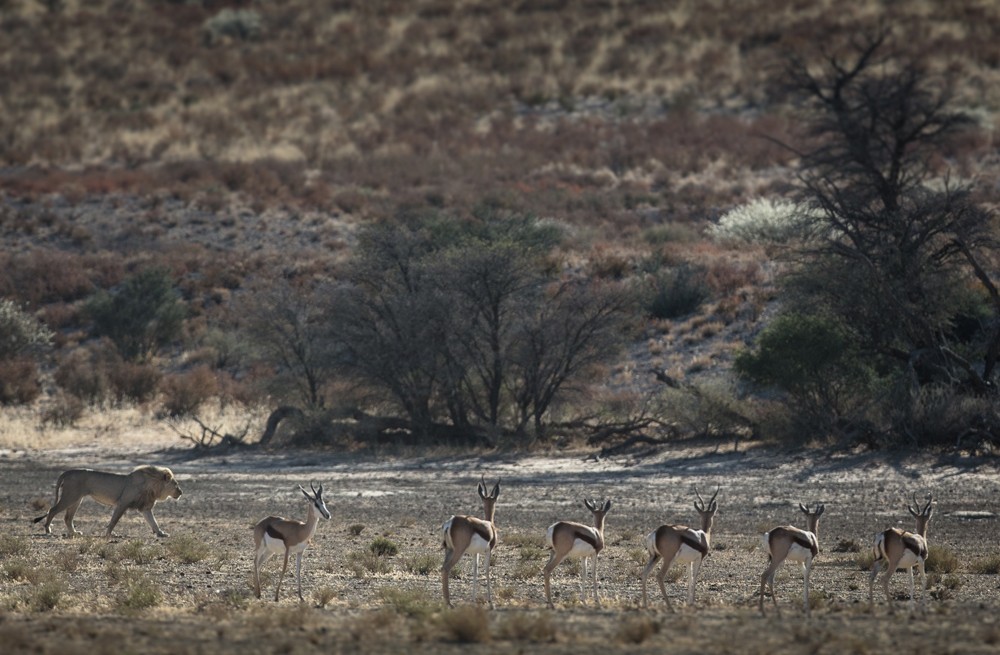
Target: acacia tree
{"points": [[577, 326], [900, 252], [286, 326], [141, 316], [392, 318], [438, 316]]}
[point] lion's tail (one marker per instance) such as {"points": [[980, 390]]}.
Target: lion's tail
{"points": [[59, 484]]}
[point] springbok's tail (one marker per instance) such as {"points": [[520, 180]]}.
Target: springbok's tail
{"points": [[59, 484], [878, 550], [446, 530]]}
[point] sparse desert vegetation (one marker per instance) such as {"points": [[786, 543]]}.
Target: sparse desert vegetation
{"points": [[595, 247], [376, 594]]}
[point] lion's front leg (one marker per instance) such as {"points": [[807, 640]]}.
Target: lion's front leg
{"points": [[115, 517], [151, 520]]}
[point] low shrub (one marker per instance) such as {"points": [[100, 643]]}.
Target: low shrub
{"points": [[362, 562], [764, 220], [45, 596], [65, 410], [19, 381], [20, 332], [383, 547], [677, 292], [422, 564], [81, 375], [139, 593], [135, 383], [242, 24], [941, 559], [184, 394], [187, 549]]}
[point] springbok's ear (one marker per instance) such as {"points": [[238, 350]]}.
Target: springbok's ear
{"points": [[496, 491], [820, 509], [803, 508], [607, 506], [590, 504]]}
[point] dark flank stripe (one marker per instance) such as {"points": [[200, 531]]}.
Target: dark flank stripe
{"points": [[274, 534], [912, 545], [692, 542], [484, 531], [589, 537], [802, 541]]}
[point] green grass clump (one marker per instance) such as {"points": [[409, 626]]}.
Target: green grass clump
{"points": [[422, 564], [383, 547], [139, 593], [527, 570], [187, 549], [363, 562], [46, 596]]}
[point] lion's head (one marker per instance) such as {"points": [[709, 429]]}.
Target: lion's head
{"points": [[155, 483]]}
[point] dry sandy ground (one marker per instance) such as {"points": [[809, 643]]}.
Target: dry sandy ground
{"points": [[205, 601]]}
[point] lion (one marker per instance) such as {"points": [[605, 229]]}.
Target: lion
{"points": [[138, 490]]}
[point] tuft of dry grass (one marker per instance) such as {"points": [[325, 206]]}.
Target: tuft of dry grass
{"points": [[989, 565], [410, 603], [14, 546], [533, 627], [422, 564], [324, 596], [465, 625], [187, 549], [637, 630], [138, 593], [941, 559]]}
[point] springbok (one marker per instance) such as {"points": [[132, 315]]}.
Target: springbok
{"points": [[898, 549], [679, 543], [476, 536], [793, 544], [275, 534], [575, 540]]}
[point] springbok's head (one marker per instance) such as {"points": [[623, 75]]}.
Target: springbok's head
{"points": [[316, 498], [711, 507], [921, 514], [599, 511], [494, 494], [706, 510], [812, 516]]}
